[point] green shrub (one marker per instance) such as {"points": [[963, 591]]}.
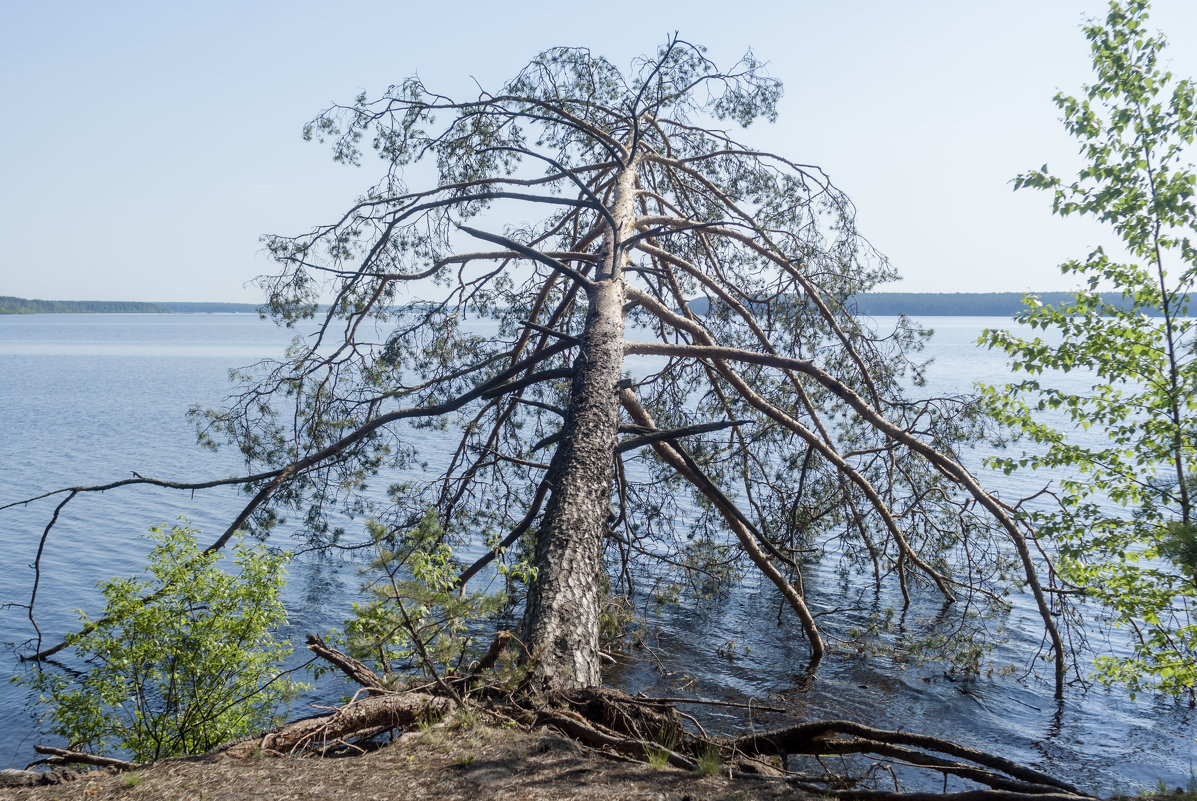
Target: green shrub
{"points": [[419, 620], [180, 661]]}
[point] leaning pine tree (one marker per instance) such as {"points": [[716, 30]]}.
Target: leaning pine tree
{"points": [[575, 218]]}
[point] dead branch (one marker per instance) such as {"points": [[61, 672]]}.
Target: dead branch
{"points": [[672, 453], [492, 654], [352, 668], [81, 758], [708, 702]]}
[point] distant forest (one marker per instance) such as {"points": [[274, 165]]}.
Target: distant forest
{"points": [[939, 304], [945, 304], [874, 304], [11, 305]]}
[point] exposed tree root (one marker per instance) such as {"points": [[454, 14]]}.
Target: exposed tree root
{"points": [[965, 795], [847, 737], [638, 728], [646, 726], [597, 736]]}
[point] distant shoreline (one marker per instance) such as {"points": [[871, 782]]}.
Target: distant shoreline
{"points": [[11, 305], [873, 304]]}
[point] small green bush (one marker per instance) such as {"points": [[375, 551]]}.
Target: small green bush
{"points": [[180, 661], [418, 622]]}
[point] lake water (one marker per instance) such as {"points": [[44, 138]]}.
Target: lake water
{"points": [[90, 398]]}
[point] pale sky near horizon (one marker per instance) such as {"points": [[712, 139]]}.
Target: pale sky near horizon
{"points": [[146, 145]]}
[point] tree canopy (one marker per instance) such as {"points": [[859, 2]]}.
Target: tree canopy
{"points": [[521, 276]]}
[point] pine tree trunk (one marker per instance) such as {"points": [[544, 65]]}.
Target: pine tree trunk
{"points": [[562, 617]]}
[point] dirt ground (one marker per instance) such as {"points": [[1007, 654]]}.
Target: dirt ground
{"points": [[472, 764]]}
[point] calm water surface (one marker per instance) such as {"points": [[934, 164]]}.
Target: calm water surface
{"points": [[90, 398]]}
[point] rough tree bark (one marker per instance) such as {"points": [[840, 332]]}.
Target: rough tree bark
{"points": [[562, 613]]}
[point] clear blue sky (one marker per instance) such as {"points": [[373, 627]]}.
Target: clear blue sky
{"points": [[145, 146]]}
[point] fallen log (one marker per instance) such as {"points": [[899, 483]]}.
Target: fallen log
{"points": [[83, 758], [374, 713]]}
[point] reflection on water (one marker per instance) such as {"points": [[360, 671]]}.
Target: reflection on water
{"points": [[90, 398]]}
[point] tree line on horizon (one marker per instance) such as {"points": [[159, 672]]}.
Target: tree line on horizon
{"points": [[14, 305], [875, 304]]}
